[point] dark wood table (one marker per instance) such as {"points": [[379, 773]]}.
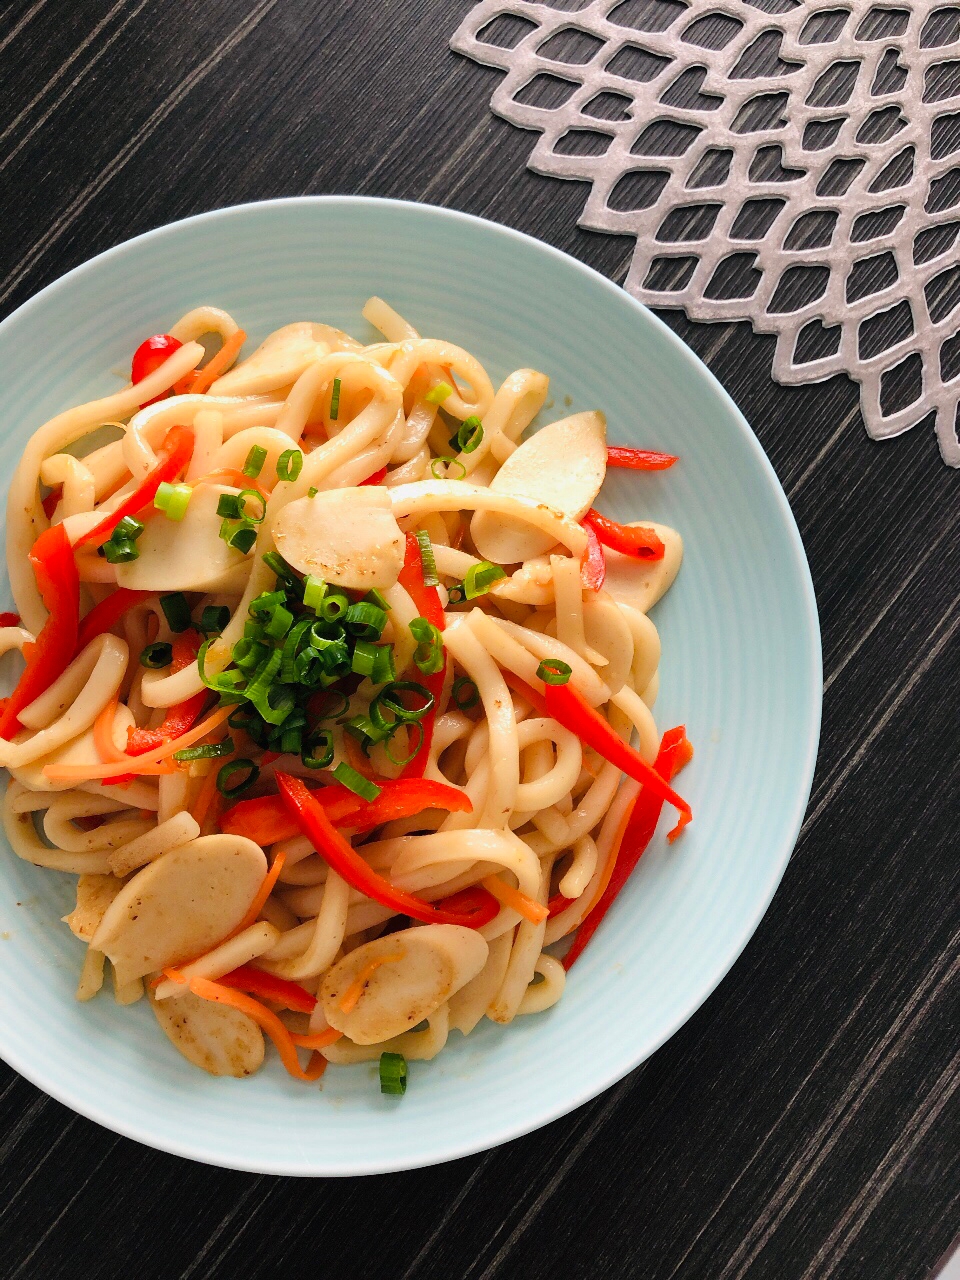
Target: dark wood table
{"points": [[805, 1122]]}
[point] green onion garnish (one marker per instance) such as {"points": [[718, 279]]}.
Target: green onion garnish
{"points": [[255, 460], [335, 400], [289, 464], [449, 462], [207, 751], [249, 653], [364, 658], [383, 668], [553, 671], [255, 517], [335, 710], [312, 491], [279, 622], [214, 618], [128, 529], [156, 656], [368, 733], [365, 620], [334, 606], [229, 506], [439, 393], [389, 699], [373, 596], [266, 602], [275, 561], [314, 589], [428, 561], [479, 578], [355, 782], [400, 761], [118, 551], [464, 693], [228, 771], [469, 436], [176, 611], [323, 738], [291, 741], [393, 1074], [243, 539], [428, 655], [173, 499], [456, 593]]}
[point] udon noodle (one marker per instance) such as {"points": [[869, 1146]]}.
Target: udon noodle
{"points": [[338, 697]]}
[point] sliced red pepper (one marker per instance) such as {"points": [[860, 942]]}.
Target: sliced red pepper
{"points": [[49, 503], [148, 358], [570, 708], [266, 819], [675, 752], [427, 601], [9, 619], [593, 567], [105, 615], [619, 455], [59, 584], [557, 904], [173, 455], [639, 542], [256, 982], [339, 854], [378, 477]]}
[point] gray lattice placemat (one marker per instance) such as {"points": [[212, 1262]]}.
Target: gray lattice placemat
{"points": [[793, 164]]}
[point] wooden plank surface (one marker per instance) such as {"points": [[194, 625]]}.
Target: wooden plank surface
{"points": [[805, 1123]]}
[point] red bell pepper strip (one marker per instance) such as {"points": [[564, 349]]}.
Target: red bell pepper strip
{"points": [[619, 455], [59, 584], [593, 567], [557, 904], [105, 615], [641, 543], [675, 752], [378, 477], [265, 819], [570, 708], [148, 358], [339, 854], [173, 455], [9, 619], [256, 982], [427, 601], [180, 717], [49, 503]]}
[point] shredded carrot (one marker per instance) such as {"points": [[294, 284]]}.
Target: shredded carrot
{"points": [[234, 477], [319, 1041], [524, 905], [151, 762], [351, 997], [263, 893], [200, 381], [107, 749], [267, 1021]]}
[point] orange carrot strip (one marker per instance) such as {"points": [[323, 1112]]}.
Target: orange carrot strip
{"points": [[107, 749], [263, 893], [351, 997], [268, 1022], [200, 381], [524, 905], [208, 787], [149, 762], [319, 1041]]}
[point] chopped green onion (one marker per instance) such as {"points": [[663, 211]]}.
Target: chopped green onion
{"points": [[364, 658], [228, 683], [334, 606], [289, 464], [335, 400], [227, 771], [176, 611], [128, 530], [428, 561], [314, 589], [173, 499], [312, 491], [214, 618], [258, 690], [400, 761], [383, 667], [479, 578], [291, 649], [117, 551], [275, 561], [428, 655], [279, 622], [469, 436], [266, 602], [393, 1074], [324, 738], [229, 506], [207, 751], [243, 539], [156, 656], [373, 596], [256, 496], [553, 671], [439, 393], [465, 693], [291, 741], [456, 593], [248, 653], [449, 462], [355, 782], [388, 699], [255, 460], [337, 711], [365, 620], [368, 733]]}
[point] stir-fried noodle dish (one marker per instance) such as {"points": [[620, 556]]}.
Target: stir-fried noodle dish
{"points": [[338, 691]]}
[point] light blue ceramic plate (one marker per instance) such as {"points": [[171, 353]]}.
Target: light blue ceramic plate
{"points": [[741, 668]]}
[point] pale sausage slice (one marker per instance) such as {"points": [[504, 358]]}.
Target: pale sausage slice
{"points": [[347, 537], [641, 583], [214, 1037]]}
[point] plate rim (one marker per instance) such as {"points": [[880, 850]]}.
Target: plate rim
{"points": [[812, 706]]}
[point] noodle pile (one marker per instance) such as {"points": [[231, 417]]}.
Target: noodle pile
{"points": [[355, 576]]}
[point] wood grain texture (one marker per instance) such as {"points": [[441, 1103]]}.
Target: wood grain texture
{"points": [[805, 1124]]}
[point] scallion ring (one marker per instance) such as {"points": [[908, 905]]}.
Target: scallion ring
{"points": [[449, 462], [428, 654], [428, 561], [227, 771], [156, 656], [393, 1074], [465, 693], [356, 782], [206, 751], [289, 465], [553, 671], [311, 760], [479, 578]]}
